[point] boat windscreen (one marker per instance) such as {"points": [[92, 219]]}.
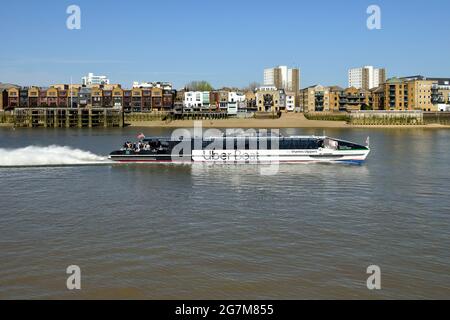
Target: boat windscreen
{"points": [[345, 145]]}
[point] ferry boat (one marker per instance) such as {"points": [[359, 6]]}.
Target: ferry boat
{"points": [[243, 149]]}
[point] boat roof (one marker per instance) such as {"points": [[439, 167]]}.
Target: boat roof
{"points": [[236, 137]]}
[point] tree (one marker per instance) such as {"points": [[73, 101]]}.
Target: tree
{"points": [[199, 86], [252, 86]]}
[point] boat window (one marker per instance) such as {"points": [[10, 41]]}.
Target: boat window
{"points": [[343, 145], [287, 144], [251, 144], [247, 143], [264, 143], [229, 144], [309, 143], [299, 144], [239, 144], [205, 144]]}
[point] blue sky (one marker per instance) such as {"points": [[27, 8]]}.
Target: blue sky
{"points": [[228, 43]]}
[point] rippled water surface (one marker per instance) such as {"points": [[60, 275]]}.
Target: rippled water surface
{"points": [[202, 231]]}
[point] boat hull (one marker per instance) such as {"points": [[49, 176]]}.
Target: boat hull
{"points": [[249, 157]]}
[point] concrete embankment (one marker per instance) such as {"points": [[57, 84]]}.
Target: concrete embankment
{"points": [[386, 119]]}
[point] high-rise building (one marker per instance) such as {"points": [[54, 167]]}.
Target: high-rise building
{"points": [[272, 77], [366, 77], [379, 77], [293, 80], [282, 77], [92, 79]]}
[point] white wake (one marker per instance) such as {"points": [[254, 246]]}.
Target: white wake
{"points": [[48, 156]]}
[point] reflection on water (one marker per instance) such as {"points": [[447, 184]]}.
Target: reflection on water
{"points": [[284, 170], [226, 231]]}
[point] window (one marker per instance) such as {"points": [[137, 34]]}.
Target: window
{"points": [[343, 145], [298, 143]]}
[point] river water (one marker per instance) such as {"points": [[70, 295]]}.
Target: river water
{"points": [[223, 232]]}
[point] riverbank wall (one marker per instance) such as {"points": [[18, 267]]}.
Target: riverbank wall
{"points": [[91, 118], [6, 118], [436, 117], [375, 118], [388, 118], [328, 116], [63, 117]]}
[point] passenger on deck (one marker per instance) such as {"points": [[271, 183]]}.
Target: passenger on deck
{"points": [[158, 144]]}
